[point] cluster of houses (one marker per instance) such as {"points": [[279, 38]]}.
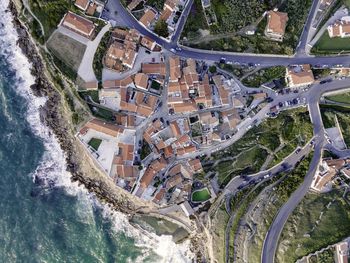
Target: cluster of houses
{"points": [[327, 171], [170, 13]]}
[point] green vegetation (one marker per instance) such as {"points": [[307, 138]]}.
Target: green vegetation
{"points": [[201, 195], [233, 16], [102, 113], [328, 114], [212, 69], [155, 85], [219, 221], [100, 52], [50, 13], [318, 221], [145, 150], [95, 143], [247, 155], [341, 98], [241, 203], [269, 202], [195, 20], [264, 75], [161, 28], [326, 45], [158, 4], [92, 93], [326, 256]]}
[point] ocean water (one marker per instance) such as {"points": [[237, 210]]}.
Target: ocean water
{"points": [[43, 216]]}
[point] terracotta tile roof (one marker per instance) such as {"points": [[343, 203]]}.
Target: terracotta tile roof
{"points": [[104, 127], [174, 181], [91, 9], [148, 18], [153, 68], [78, 24], [175, 129], [148, 42], [185, 107], [277, 22], [141, 80], [195, 165], [175, 70], [117, 83], [126, 151], [133, 4], [171, 4], [82, 4], [168, 151], [147, 177], [159, 196], [166, 13], [302, 77]]}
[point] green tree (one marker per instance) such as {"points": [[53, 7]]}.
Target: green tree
{"points": [[161, 28]]}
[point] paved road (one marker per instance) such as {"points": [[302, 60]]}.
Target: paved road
{"points": [[86, 71], [307, 31], [264, 60], [272, 237]]}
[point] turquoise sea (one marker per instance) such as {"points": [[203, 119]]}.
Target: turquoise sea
{"points": [[43, 216]]}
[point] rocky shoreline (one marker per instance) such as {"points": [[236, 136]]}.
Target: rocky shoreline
{"points": [[51, 115]]}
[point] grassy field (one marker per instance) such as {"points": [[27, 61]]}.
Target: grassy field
{"points": [[342, 98], [307, 230], [67, 49], [201, 195], [219, 222], [264, 75], [95, 143], [343, 114], [327, 45], [247, 155]]}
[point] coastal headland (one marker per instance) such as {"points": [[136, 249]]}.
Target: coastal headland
{"points": [[83, 169]]}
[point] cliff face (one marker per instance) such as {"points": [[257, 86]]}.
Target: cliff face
{"points": [[53, 116]]}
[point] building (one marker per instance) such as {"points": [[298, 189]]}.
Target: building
{"points": [[148, 18], [78, 24], [276, 25], [342, 252], [148, 43], [141, 81], [118, 55], [82, 4], [299, 76], [340, 28]]}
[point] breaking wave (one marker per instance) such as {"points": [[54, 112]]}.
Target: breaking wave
{"points": [[51, 172]]}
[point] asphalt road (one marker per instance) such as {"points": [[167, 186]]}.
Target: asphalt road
{"points": [[270, 244], [272, 237], [306, 34], [116, 12]]}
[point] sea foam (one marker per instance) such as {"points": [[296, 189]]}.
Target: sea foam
{"points": [[52, 168]]}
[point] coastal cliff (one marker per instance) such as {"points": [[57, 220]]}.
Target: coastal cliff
{"points": [[79, 163], [55, 117]]}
